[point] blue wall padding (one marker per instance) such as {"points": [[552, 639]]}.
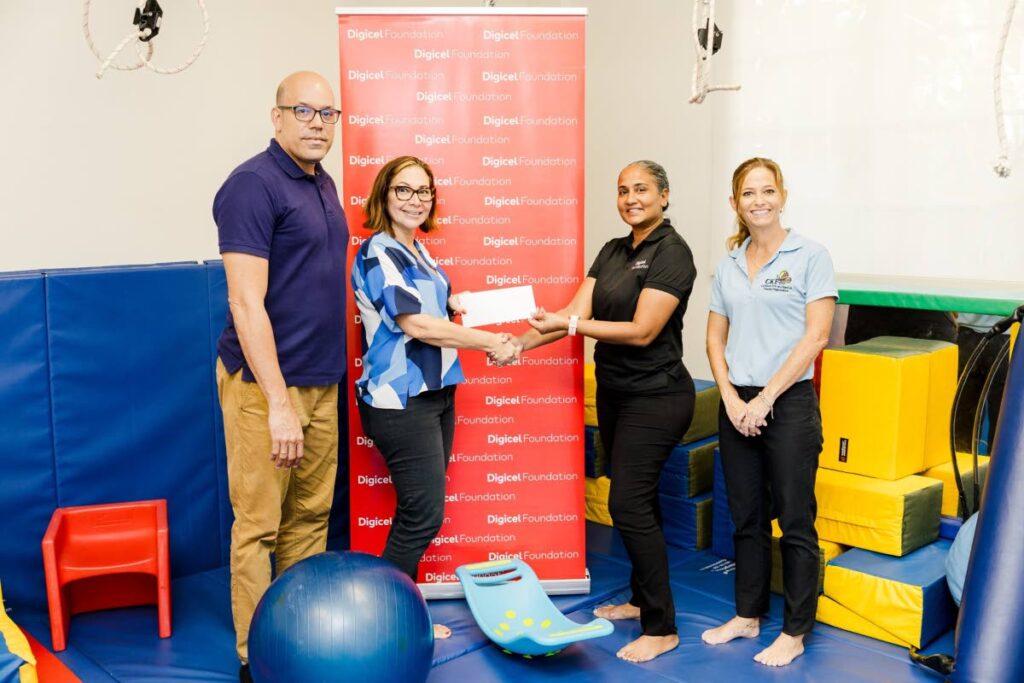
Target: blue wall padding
{"points": [[132, 398], [27, 499], [992, 610], [107, 393], [217, 296], [722, 528], [686, 522]]}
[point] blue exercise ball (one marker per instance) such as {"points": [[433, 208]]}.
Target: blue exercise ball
{"points": [[341, 617]]}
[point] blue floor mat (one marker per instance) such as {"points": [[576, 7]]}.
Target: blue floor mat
{"points": [[122, 645]]}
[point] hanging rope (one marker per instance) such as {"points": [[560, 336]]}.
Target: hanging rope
{"points": [[1002, 167], [143, 35], [702, 67]]}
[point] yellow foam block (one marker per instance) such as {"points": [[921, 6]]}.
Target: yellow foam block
{"points": [[906, 598], [942, 375], [873, 405], [1014, 331], [945, 474], [589, 384], [826, 551], [595, 500], [589, 395], [832, 613], [15, 643], [891, 517]]}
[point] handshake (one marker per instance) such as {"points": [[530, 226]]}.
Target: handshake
{"points": [[505, 349]]}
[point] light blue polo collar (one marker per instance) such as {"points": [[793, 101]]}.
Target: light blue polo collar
{"points": [[792, 242]]}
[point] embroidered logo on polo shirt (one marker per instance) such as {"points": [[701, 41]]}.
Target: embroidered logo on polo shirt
{"points": [[782, 282], [640, 265]]}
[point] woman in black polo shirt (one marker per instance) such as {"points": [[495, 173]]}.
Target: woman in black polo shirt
{"points": [[632, 302]]}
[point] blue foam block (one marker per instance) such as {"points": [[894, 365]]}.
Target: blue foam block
{"points": [[925, 567], [591, 465], [686, 522], [949, 527], [700, 385], [688, 470]]}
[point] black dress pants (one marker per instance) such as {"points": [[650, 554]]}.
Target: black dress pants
{"points": [[638, 433], [416, 443], [772, 476]]}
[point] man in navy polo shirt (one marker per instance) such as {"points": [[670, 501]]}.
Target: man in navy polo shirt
{"points": [[282, 353]]}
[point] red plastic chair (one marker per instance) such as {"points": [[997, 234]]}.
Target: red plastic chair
{"points": [[106, 556]]}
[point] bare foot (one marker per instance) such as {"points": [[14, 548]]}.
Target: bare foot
{"points": [[441, 632], [623, 611], [784, 650], [646, 648], [737, 627]]}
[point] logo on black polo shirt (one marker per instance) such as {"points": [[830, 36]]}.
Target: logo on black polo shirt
{"points": [[640, 264], [783, 282]]}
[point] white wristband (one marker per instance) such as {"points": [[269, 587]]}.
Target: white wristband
{"points": [[574, 320]]}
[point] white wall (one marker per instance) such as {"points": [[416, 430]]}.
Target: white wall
{"points": [[124, 169], [881, 115]]}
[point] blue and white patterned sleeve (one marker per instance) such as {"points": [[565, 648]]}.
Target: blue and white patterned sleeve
{"points": [[381, 278]]}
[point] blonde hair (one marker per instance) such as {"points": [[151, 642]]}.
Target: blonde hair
{"points": [[376, 209], [738, 176]]}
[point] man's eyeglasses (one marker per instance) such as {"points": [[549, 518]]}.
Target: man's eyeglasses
{"points": [[303, 113], [404, 193]]}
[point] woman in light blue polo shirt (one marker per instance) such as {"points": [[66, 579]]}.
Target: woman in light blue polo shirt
{"points": [[771, 311]]}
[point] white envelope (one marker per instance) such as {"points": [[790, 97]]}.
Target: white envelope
{"points": [[494, 306]]}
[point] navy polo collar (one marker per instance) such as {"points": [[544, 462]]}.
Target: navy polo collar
{"points": [[288, 164]]}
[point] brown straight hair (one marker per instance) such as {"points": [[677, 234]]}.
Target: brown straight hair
{"points": [[376, 209]]}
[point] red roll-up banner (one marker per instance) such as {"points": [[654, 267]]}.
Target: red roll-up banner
{"points": [[493, 100]]}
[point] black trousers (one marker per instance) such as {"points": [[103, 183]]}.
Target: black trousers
{"points": [[416, 444], [638, 433], [769, 476]]}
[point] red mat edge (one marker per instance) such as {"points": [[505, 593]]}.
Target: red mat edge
{"points": [[49, 669]]}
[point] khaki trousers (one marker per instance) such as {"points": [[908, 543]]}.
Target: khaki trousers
{"points": [[279, 511]]}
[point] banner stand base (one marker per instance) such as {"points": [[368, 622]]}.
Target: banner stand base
{"points": [[445, 591]]}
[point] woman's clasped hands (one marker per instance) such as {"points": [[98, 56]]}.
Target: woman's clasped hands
{"points": [[748, 416]]}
